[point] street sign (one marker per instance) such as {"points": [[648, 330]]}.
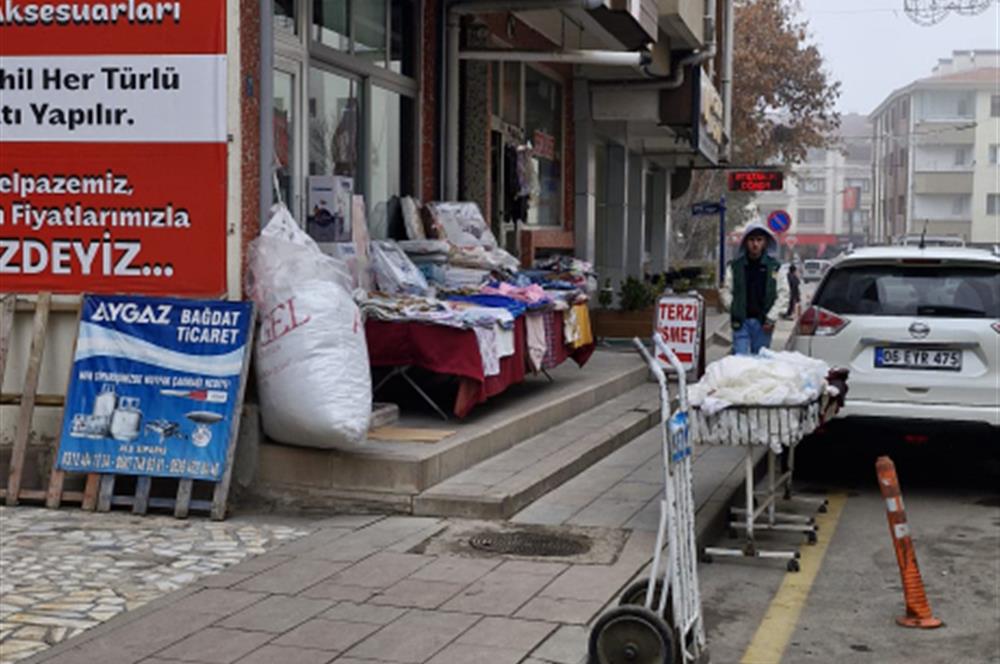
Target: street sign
{"points": [[679, 321], [779, 221], [756, 180], [706, 207]]}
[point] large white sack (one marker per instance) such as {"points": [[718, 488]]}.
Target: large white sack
{"points": [[313, 378]]}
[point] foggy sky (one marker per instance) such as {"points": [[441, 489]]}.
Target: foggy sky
{"points": [[873, 48]]}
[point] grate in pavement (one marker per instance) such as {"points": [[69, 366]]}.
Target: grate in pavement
{"points": [[528, 543]]}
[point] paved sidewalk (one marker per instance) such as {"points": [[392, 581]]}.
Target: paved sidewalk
{"points": [[351, 593], [361, 589]]}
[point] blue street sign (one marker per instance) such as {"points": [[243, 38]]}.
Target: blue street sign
{"points": [[706, 207], [779, 221]]}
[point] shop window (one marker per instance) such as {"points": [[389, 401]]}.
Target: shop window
{"points": [[331, 23], [333, 124], [284, 135], [389, 156], [543, 106], [512, 93], [285, 16], [370, 31], [402, 37], [864, 184]]}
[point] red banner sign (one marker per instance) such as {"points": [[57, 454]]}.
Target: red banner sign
{"points": [[113, 152]]}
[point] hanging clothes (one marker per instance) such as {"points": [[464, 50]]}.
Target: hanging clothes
{"points": [[486, 339], [535, 328]]}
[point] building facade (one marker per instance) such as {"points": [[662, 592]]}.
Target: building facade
{"points": [[828, 196], [935, 152], [437, 99]]}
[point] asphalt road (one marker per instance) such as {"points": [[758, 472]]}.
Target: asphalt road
{"points": [[845, 611]]}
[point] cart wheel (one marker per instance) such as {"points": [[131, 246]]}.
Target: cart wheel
{"points": [[793, 565], [635, 594], [822, 508], [812, 536], [630, 635]]}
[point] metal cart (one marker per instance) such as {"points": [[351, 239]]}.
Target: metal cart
{"points": [[658, 619], [779, 428]]}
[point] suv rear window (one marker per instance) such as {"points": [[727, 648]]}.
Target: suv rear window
{"points": [[898, 290]]}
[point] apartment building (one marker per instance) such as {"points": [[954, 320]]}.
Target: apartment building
{"points": [[829, 195], [935, 152]]}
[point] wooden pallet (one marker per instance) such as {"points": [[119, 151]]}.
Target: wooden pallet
{"points": [[14, 492], [99, 491]]}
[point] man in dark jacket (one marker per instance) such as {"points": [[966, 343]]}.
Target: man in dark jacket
{"points": [[755, 291], [793, 292]]}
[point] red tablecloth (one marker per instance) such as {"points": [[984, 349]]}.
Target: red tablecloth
{"points": [[453, 351]]}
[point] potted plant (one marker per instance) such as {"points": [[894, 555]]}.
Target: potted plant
{"points": [[635, 314]]}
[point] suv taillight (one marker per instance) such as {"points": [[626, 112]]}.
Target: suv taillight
{"points": [[817, 321]]}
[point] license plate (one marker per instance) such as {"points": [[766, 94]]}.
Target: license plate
{"points": [[918, 358]]}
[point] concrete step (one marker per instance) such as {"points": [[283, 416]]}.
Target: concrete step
{"points": [[504, 484], [387, 475]]}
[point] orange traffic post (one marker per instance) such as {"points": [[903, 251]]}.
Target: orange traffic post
{"points": [[918, 609]]}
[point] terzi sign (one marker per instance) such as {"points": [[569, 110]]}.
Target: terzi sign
{"points": [[113, 146], [756, 180]]}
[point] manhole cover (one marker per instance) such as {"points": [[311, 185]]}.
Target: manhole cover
{"points": [[522, 543]]}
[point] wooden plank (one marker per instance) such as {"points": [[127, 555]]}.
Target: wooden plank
{"points": [[90, 492], [106, 492], [49, 400], [6, 330], [54, 497], [220, 495], [57, 476], [183, 503], [31, 494], [142, 486], [20, 448], [61, 305]]}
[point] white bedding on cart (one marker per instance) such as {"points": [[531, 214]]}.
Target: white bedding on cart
{"points": [[768, 379]]}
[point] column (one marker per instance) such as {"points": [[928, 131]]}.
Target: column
{"points": [[613, 253], [660, 222], [636, 217], [584, 190]]}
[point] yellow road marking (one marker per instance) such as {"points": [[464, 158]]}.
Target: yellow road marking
{"points": [[771, 638]]}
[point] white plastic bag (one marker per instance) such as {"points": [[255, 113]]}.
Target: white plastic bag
{"points": [[313, 377]]}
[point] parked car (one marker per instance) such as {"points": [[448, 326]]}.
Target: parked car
{"points": [[814, 269], [915, 240], [919, 330]]}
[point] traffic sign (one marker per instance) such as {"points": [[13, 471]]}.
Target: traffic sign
{"points": [[706, 207], [779, 221]]}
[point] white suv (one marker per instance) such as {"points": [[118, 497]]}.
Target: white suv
{"points": [[919, 330]]}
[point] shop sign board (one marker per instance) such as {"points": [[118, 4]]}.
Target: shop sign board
{"points": [[154, 386], [756, 180], [678, 322], [544, 145], [113, 146]]}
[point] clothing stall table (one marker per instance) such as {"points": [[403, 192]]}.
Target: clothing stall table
{"points": [[400, 345]]}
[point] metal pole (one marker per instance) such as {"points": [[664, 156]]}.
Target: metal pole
{"points": [[722, 240]]}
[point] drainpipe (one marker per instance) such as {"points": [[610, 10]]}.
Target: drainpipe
{"points": [[671, 82], [450, 54], [577, 57], [727, 81]]}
